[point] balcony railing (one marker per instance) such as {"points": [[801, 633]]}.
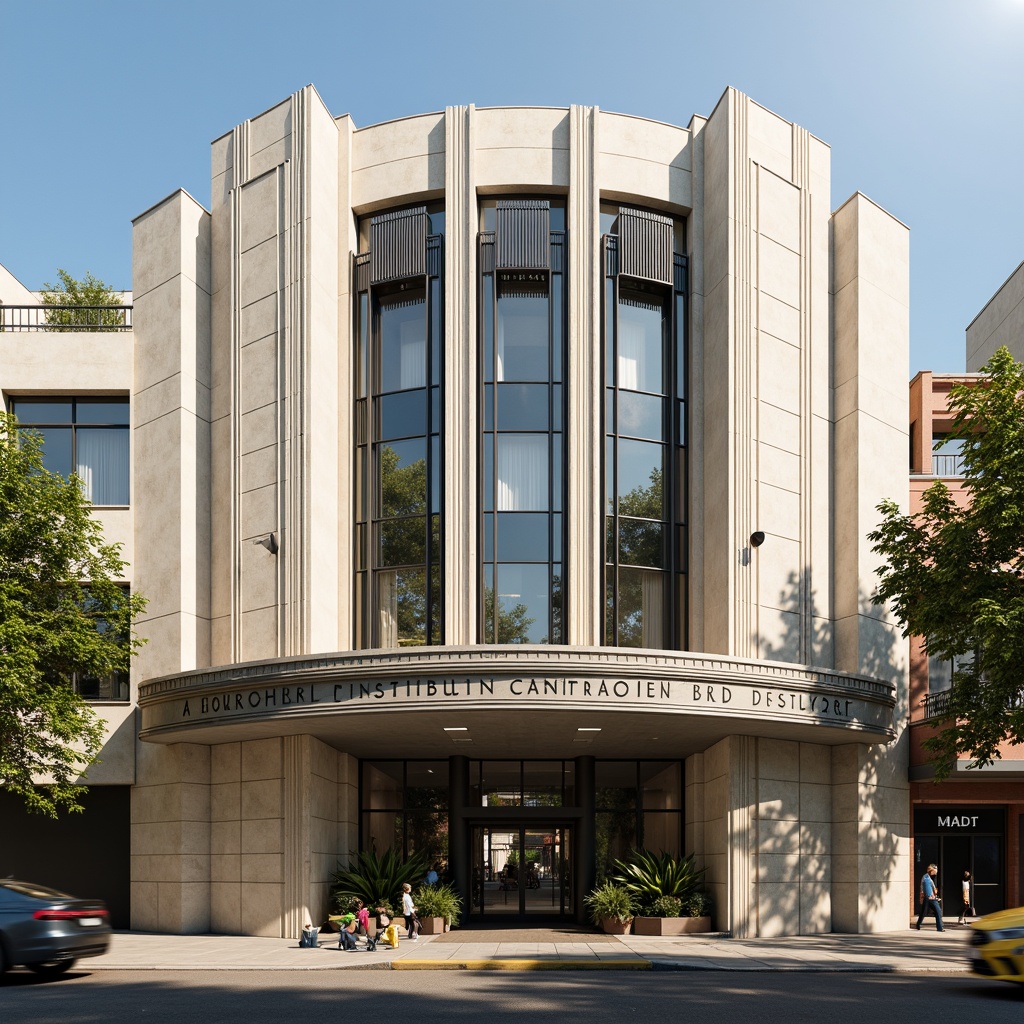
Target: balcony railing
{"points": [[947, 465], [65, 318], [936, 704]]}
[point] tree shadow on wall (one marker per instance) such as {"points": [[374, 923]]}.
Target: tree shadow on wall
{"points": [[839, 860]]}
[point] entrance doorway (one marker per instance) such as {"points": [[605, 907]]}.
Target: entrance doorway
{"points": [[522, 871]]}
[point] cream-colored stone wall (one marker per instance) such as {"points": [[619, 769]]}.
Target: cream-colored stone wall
{"points": [[1000, 322], [764, 457], [871, 807], [397, 162], [761, 823]]}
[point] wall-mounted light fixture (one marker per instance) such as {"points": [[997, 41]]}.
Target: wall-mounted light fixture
{"points": [[757, 538], [269, 542]]}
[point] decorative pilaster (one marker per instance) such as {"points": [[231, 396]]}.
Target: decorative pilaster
{"points": [[585, 563], [461, 430]]}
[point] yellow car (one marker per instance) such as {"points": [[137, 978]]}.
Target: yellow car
{"points": [[997, 946]]}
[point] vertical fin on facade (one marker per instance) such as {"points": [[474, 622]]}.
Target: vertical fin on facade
{"points": [[460, 398], [584, 584]]}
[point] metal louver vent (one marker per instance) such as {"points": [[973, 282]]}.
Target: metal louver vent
{"points": [[645, 245], [522, 235], [398, 245]]}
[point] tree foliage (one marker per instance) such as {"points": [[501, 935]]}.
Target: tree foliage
{"points": [[76, 304], [955, 575], [62, 616]]}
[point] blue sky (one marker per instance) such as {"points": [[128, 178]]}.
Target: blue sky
{"points": [[109, 105]]}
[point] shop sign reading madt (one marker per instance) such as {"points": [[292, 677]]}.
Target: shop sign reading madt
{"points": [[242, 699]]}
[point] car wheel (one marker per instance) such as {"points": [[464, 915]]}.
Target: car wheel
{"points": [[51, 968]]}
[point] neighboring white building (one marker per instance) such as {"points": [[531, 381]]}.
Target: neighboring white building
{"points": [[499, 485]]}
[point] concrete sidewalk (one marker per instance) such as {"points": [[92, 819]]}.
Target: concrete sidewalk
{"points": [[909, 951]]}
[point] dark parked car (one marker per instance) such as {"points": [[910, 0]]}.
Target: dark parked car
{"points": [[46, 930]]}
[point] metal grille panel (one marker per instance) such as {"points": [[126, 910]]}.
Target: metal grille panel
{"points": [[645, 245], [398, 245], [523, 233]]}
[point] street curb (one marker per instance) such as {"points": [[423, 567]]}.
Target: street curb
{"points": [[521, 964]]}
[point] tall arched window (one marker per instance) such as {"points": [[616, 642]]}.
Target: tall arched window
{"points": [[645, 429], [522, 340], [398, 330]]}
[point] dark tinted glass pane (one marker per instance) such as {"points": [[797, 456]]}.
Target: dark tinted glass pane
{"points": [[542, 783], [556, 407], [488, 318], [609, 473], [436, 418], [402, 470], [660, 785], [615, 835], [47, 410], [609, 328], [489, 604], [436, 222], [523, 602], [488, 407], [488, 481], [556, 538], [662, 832], [382, 784], [436, 491], [501, 783], [640, 612], [360, 552], [363, 336], [436, 339], [101, 456], [640, 362], [680, 346], [556, 326], [522, 407], [435, 540], [557, 215], [556, 474], [641, 415], [403, 344], [435, 604], [57, 449], [616, 784], [523, 536], [557, 597], [522, 343], [641, 542], [110, 411], [382, 830], [403, 541], [681, 422], [609, 605], [402, 415], [640, 472], [488, 536]]}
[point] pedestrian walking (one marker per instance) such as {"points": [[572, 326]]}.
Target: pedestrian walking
{"points": [[930, 898], [412, 922], [965, 907]]}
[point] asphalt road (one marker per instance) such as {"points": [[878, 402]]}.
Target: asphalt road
{"points": [[443, 997]]}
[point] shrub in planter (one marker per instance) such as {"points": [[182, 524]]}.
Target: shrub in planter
{"points": [[698, 904], [437, 903], [610, 907], [665, 906]]}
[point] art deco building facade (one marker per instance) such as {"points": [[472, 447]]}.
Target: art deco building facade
{"points": [[500, 483]]}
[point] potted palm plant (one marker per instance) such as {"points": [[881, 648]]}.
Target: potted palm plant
{"points": [[611, 908]]}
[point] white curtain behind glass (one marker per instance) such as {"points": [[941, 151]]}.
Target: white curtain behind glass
{"points": [[631, 354], [522, 473], [102, 465], [413, 348], [387, 604], [652, 608]]}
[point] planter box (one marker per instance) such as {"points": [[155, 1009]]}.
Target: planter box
{"points": [[671, 925], [432, 925], [613, 926]]}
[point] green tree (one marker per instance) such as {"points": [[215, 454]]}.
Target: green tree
{"points": [[954, 575], [76, 303], [62, 616]]}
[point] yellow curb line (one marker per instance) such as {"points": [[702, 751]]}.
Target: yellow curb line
{"points": [[522, 964]]}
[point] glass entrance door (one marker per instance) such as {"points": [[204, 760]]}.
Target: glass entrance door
{"points": [[522, 871]]}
